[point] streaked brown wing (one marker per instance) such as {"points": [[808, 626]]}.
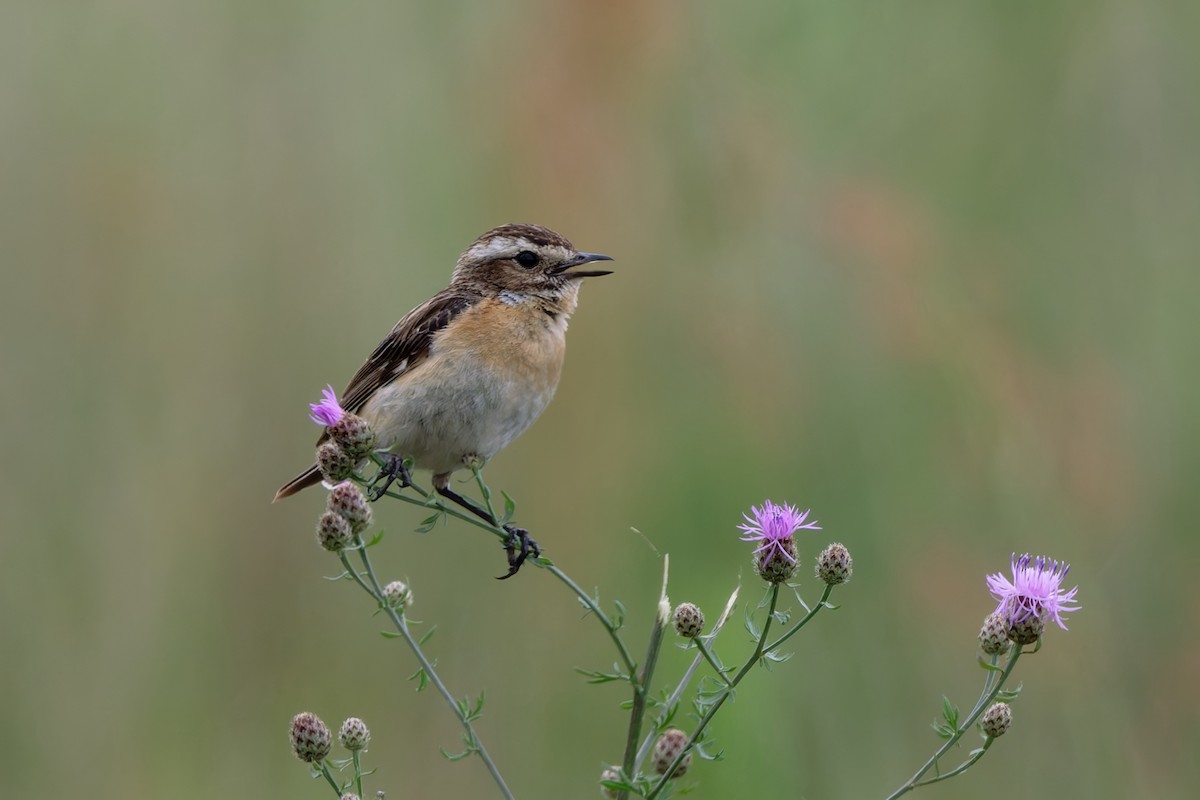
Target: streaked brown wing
{"points": [[405, 347]]}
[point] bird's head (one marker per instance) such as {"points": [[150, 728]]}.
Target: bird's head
{"points": [[520, 261]]}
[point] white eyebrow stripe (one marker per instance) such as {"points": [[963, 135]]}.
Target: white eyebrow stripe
{"points": [[501, 246]]}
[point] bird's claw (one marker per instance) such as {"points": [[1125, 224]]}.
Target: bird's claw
{"points": [[519, 546], [393, 469]]}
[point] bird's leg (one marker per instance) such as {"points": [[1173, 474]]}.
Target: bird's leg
{"points": [[518, 545], [393, 467]]}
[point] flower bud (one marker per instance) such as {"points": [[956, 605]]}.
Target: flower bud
{"points": [[398, 595], [778, 563], [1028, 630], [609, 774], [835, 565], [689, 620], [996, 720], [667, 749], [354, 734], [310, 738], [333, 532], [354, 435], [335, 465], [993, 636], [349, 796], [347, 500]]}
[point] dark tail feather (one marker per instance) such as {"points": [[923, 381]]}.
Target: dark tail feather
{"points": [[310, 477]]}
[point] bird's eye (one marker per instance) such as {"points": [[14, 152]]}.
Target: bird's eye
{"points": [[527, 259]]}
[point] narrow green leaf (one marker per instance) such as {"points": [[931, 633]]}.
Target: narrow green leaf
{"points": [[510, 508]]}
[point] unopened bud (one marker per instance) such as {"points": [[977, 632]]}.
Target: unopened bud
{"points": [[354, 734], [347, 500], [609, 774], [835, 565], [335, 465], [333, 532], [398, 595], [689, 620], [993, 636], [667, 749], [354, 435], [996, 720], [310, 738]]}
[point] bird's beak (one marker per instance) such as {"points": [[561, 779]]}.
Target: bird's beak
{"points": [[582, 258]]}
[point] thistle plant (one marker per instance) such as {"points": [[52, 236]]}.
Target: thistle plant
{"points": [[670, 723], [1025, 603]]}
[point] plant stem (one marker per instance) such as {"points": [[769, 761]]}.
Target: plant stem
{"points": [[325, 771], [640, 690], [796, 628], [683, 683], [430, 501], [358, 771], [961, 768], [597, 612], [641, 684], [987, 696], [722, 672], [376, 592], [759, 649]]}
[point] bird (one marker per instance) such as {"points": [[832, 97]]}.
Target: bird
{"points": [[465, 373]]}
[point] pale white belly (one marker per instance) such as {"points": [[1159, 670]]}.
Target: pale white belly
{"points": [[445, 411]]}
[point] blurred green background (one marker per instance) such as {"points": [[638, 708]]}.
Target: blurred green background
{"points": [[927, 268]]}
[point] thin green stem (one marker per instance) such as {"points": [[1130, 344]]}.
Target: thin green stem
{"points": [[356, 754], [597, 612], [759, 649], [796, 628], [963, 767], [641, 689], [985, 699], [665, 712], [722, 672], [430, 501], [990, 678], [484, 491], [337, 789], [373, 588]]}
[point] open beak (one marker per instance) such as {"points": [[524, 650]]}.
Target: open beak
{"points": [[582, 258]]}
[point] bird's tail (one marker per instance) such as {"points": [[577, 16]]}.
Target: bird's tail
{"points": [[310, 477]]}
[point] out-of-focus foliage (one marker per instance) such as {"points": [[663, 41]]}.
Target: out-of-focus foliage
{"points": [[930, 269]]}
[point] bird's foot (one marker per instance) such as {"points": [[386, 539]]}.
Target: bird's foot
{"points": [[393, 469], [518, 546]]}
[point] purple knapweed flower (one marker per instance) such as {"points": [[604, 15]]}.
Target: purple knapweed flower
{"points": [[327, 412], [773, 525], [1034, 591]]}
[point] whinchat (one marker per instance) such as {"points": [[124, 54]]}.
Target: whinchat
{"points": [[469, 370]]}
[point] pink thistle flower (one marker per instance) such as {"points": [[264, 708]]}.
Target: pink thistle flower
{"points": [[1034, 591], [773, 525], [327, 412]]}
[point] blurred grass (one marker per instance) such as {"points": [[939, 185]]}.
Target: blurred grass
{"points": [[930, 270]]}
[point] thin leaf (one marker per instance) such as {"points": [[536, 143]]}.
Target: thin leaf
{"points": [[510, 508]]}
